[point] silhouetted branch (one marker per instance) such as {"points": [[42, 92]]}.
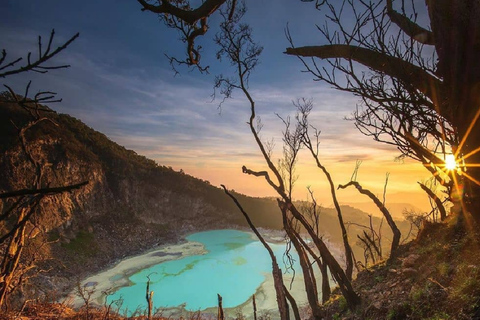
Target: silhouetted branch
{"points": [[385, 212], [393, 66], [43, 191], [188, 15], [37, 65], [438, 202], [412, 29], [304, 108], [189, 22], [277, 273]]}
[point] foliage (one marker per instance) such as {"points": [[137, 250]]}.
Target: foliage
{"points": [[83, 245]]}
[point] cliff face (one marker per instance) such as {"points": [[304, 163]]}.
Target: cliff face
{"points": [[130, 203]]}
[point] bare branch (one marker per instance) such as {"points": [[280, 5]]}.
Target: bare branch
{"points": [[43, 191], [385, 212], [38, 65], [436, 199], [187, 15], [393, 66], [412, 29], [277, 273], [190, 23]]}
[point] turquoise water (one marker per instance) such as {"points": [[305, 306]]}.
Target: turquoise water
{"points": [[234, 267]]}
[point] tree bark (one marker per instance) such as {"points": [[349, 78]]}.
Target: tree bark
{"points": [[456, 28]]}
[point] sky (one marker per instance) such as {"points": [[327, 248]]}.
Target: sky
{"points": [[121, 84]]}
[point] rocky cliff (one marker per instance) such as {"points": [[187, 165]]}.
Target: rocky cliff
{"points": [[130, 203]]}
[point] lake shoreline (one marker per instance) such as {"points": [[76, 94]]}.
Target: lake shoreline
{"points": [[113, 278]]}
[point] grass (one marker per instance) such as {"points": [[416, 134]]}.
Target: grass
{"points": [[82, 246]]}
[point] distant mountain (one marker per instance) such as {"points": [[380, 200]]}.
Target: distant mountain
{"points": [[396, 209], [130, 204]]}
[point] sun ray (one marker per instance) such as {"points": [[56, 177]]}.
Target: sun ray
{"points": [[467, 133], [471, 153], [472, 165], [471, 178]]}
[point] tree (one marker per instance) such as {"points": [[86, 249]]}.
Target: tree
{"points": [[19, 206], [237, 46], [279, 286], [189, 22], [419, 91], [427, 106], [418, 86]]}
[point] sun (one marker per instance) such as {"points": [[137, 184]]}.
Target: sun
{"points": [[450, 162]]}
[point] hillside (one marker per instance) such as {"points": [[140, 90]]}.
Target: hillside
{"points": [[435, 277], [130, 203]]}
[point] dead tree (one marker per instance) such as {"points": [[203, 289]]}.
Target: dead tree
{"points": [[436, 199], [21, 205], [190, 22], [370, 241], [149, 298], [304, 108], [307, 270], [427, 106], [396, 232], [254, 308], [237, 46], [312, 212], [220, 315], [280, 289]]}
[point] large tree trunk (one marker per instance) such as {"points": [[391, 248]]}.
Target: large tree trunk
{"points": [[456, 28]]}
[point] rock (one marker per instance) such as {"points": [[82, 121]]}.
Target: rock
{"points": [[377, 305], [410, 261]]}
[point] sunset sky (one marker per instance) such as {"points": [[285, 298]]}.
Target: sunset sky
{"points": [[120, 83]]}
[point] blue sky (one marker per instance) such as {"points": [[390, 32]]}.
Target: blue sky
{"points": [[121, 84]]}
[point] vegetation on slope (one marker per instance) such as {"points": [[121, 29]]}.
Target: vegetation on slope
{"points": [[437, 276]]}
